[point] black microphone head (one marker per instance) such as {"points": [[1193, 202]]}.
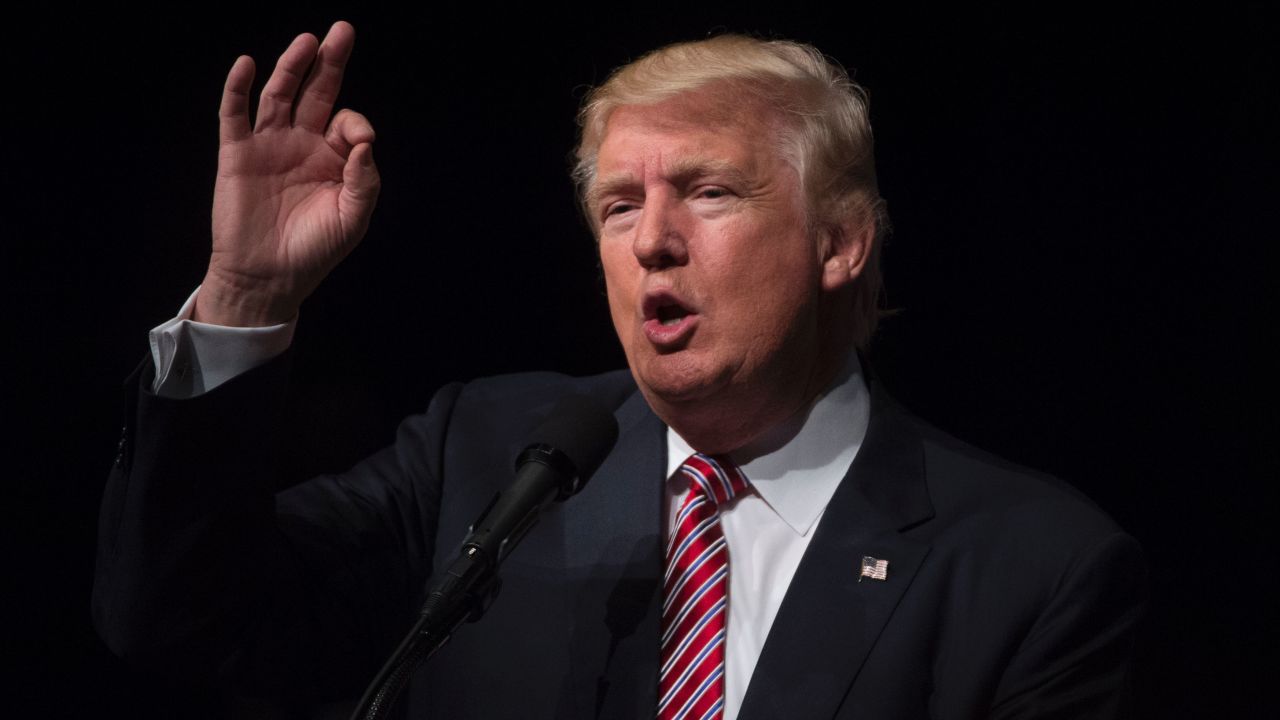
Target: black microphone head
{"points": [[581, 431]]}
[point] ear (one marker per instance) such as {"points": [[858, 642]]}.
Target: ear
{"points": [[847, 244]]}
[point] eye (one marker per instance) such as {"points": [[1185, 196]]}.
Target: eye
{"points": [[712, 192], [618, 208], [613, 213]]}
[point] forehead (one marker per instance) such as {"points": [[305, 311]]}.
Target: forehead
{"points": [[682, 133]]}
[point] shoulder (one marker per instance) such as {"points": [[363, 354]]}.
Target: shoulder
{"points": [[533, 390], [1039, 566], [503, 409], [965, 483], [1026, 590], [523, 398], [1003, 525]]}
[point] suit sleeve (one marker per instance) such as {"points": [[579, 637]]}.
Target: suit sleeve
{"points": [[1074, 663], [204, 572]]}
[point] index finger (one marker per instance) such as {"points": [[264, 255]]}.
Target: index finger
{"points": [[233, 113], [320, 91]]}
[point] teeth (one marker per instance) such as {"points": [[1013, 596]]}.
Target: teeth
{"points": [[671, 321]]}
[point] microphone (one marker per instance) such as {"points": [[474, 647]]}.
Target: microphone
{"points": [[560, 456]]}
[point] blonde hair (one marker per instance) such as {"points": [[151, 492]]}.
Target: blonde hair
{"points": [[826, 132]]}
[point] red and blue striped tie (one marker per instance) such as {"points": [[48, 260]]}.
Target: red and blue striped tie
{"points": [[696, 595]]}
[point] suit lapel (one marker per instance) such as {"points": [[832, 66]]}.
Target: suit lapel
{"points": [[829, 621], [615, 538]]}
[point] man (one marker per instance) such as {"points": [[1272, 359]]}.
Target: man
{"points": [[827, 555]]}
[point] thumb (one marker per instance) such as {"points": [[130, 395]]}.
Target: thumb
{"points": [[360, 186]]}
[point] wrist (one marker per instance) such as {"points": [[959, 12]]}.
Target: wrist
{"points": [[231, 304]]}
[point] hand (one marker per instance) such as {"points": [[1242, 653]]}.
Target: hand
{"points": [[294, 193]]}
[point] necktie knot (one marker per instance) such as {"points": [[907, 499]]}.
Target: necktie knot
{"points": [[716, 479]]}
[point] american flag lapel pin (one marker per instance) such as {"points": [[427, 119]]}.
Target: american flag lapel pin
{"points": [[873, 568]]}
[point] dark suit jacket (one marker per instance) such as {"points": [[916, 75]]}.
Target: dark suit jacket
{"points": [[1008, 594]]}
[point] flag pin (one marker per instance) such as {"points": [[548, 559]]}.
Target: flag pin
{"points": [[873, 568]]}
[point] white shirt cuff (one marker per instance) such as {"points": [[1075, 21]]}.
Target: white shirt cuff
{"points": [[192, 358]]}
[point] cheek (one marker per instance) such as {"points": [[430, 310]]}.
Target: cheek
{"points": [[775, 271], [618, 285], [775, 298]]}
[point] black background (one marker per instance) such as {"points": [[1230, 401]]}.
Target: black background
{"points": [[1083, 202]]}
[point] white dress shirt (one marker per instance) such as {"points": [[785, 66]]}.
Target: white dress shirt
{"points": [[794, 470], [191, 358]]}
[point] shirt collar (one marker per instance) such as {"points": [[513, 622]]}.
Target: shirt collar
{"points": [[797, 466]]}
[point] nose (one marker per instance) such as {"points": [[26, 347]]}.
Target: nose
{"points": [[660, 240]]}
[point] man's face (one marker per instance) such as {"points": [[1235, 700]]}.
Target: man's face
{"points": [[714, 280]]}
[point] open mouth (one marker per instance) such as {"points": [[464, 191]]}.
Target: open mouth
{"points": [[664, 307], [668, 321], [669, 315]]}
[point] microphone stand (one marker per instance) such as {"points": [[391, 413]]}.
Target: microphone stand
{"points": [[572, 443], [468, 587], [464, 593]]}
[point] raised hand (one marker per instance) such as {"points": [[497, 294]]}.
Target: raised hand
{"points": [[294, 192]]}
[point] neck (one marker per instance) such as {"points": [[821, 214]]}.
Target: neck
{"points": [[751, 419]]}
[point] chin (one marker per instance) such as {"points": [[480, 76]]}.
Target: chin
{"points": [[674, 380]]}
